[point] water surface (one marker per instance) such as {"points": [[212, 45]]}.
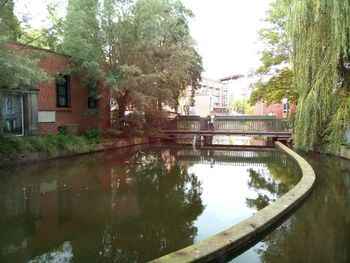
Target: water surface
{"points": [[133, 205], [319, 231]]}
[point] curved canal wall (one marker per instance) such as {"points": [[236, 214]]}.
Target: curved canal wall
{"points": [[241, 233], [344, 152], [98, 147]]}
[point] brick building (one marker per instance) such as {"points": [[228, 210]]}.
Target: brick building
{"points": [[60, 104], [280, 110]]}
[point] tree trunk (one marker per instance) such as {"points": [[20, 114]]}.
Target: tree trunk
{"points": [[121, 108], [159, 106]]}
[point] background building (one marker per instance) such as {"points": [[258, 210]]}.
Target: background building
{"points": [[280, 110], [212, 95]]}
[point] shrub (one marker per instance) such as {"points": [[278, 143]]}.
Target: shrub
{"points": [[13, 147], [93, 134]]}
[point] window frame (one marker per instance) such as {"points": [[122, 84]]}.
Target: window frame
{"points": [[92, 102], [67, 92], [286, 107]]}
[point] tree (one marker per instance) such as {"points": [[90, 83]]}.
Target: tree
{"points": [[9, 24], [275, 74], [320, 36], [18, 71], [48, 37], [142, 48], [81, 39], [240, 106], [174, 63], [164, 60]]}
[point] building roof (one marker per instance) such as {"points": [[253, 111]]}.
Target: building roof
{"points": [[27, 46], [232, 77]]}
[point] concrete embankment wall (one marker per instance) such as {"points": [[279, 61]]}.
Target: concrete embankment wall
{"points": [[343, 152], [41, 156], [241, 233]]}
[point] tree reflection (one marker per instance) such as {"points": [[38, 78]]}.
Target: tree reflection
{"points": [[169, 200], [319, 231], [111, 207], [271, 183]]}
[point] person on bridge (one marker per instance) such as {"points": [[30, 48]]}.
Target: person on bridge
{"points": [[211, 124]]}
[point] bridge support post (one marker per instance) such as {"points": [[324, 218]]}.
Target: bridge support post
{"points": [[208, 140], [274, 139]]}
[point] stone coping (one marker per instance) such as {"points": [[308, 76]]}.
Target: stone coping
{"points": [[241, 233]]}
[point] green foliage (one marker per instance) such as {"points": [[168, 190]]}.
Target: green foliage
{"points": [[142, 48], [131, 124], [9, 24], [17, 70], [48, 37], [240, 106], [81, 39], [93, 134], [279, 86], [275, 75], [320, 37], [15, 147], [340, 121]]}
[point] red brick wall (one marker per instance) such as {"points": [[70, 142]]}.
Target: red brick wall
{"points": [[261, 109], [75, 117]]}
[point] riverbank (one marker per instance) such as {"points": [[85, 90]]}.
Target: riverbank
{"points": [[28, 150]]}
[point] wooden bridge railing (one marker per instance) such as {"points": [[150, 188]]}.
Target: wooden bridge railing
{"points": [[229, 123]]}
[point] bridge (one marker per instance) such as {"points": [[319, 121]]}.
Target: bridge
{"points": [[261, 157], [268, 126], [224, 157]]}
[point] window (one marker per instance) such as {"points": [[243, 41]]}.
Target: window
{"points": [[62, 85], [92, 100], [286, 107]]}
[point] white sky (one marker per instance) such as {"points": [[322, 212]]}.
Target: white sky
{"points": [[225, 31], [226, 34]]}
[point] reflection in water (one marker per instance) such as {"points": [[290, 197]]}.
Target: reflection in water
{"points": [[62, 255], [281, 177], [124, 206], [319, 231], [169, 202]]}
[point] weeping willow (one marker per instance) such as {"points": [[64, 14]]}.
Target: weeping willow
{"points": [[320, 34]]}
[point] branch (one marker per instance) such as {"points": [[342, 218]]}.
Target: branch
{"points": [[5, 3], [45, 31]]}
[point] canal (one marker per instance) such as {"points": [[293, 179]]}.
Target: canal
{"points": [[134, 205], [319, 231]]}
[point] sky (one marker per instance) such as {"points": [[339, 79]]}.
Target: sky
{"points": [[225, 32]]}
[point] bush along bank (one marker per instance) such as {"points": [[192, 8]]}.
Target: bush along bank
{"points": [[21, 150], [15, 150]]}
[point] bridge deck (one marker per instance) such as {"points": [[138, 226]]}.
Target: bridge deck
{"points": [[278, 134], [268, 126]]}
